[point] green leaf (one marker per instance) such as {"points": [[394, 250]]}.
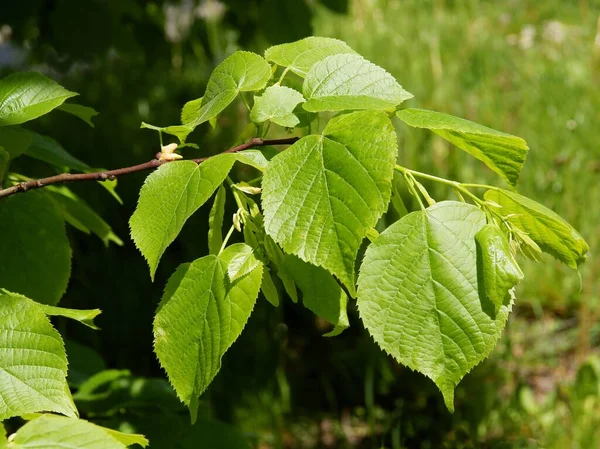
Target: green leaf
{"points": [[179, 131], [418, 294], [57, 432], [254, 158], [498, 272], [503, 153], [49, 150], [191, 110], [553, 234], [33, 363], [215, 222], [200, 316], [300, 56], [397, 201], [80, 215], [320, 293], [348, 81], [85, 317], [15, 140], [277, 258], [84, 362], [4, 163], [322, 194], [170, 195], [35, 250], [277, 104], [268, 289], [25, 96], [3, 439], [241, 72], [243, 262], [84, 113]]}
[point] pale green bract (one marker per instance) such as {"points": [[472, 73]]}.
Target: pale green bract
{"points": [[322, 194], [418, 294], [170, 195], [57, 432], [301, 55], [498, 272], [33, 363], [320, 293], [551, 233], [277, 104], [200, 316], [26, 96], [348, 81], [503, 153], [40, 256]]}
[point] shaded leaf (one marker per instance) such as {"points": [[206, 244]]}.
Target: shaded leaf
{"points": [[33, 363], [268, 288], [418, 294], [300, 56], [320, 293], [503, 153], [277, 104], [322, 195], [215, 222], [201, 314], [15, 140], [348, 81], [84, 113], [170, 195], [548, 230], [25, 96], [49, 150], [498, 272], [35, 250]]}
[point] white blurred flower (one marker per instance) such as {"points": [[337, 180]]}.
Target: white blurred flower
{"points": [[554, 31], [179, 19], [527, 37], [211, 10]]}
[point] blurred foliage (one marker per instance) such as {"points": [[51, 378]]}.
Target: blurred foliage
{"points": [[526, 67]]}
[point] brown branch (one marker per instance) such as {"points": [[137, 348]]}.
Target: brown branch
{"points": [[113, 174]]}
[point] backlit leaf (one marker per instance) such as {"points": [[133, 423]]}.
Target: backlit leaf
{"points": [[201, 314], [348, 81], [548, 230], [322, 195], [85, 317], [170, 195], [33, 363], [25, 96], [300, 56], [503, 153], [418, 294]]}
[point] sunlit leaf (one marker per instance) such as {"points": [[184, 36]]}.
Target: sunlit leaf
{"points": [[418, 294], [25, 96], [85, 317], [503, 153], [277, 104]]}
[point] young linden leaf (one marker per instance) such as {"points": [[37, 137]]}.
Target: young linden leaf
{"points": [[242, 262], [179, 131], [277, 104], [33, 363], [503, 153], [85, 317], [243, 71], [322, 195], [191, 110], [15, 140], [80, 215], [277, 258], [320, 293], [25, 96], [418, 294], [215, 222], [84, 113], [300, 56], [254, 158], [35, 248], [58, 432], [170, 195], [548, 230], [200, 316], [49, 150], [348, 81], [498, 272]]}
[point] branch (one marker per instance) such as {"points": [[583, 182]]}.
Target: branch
{"points": [[113, 174]]}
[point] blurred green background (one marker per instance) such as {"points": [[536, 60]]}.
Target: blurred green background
{"points": [[527, 67]]}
